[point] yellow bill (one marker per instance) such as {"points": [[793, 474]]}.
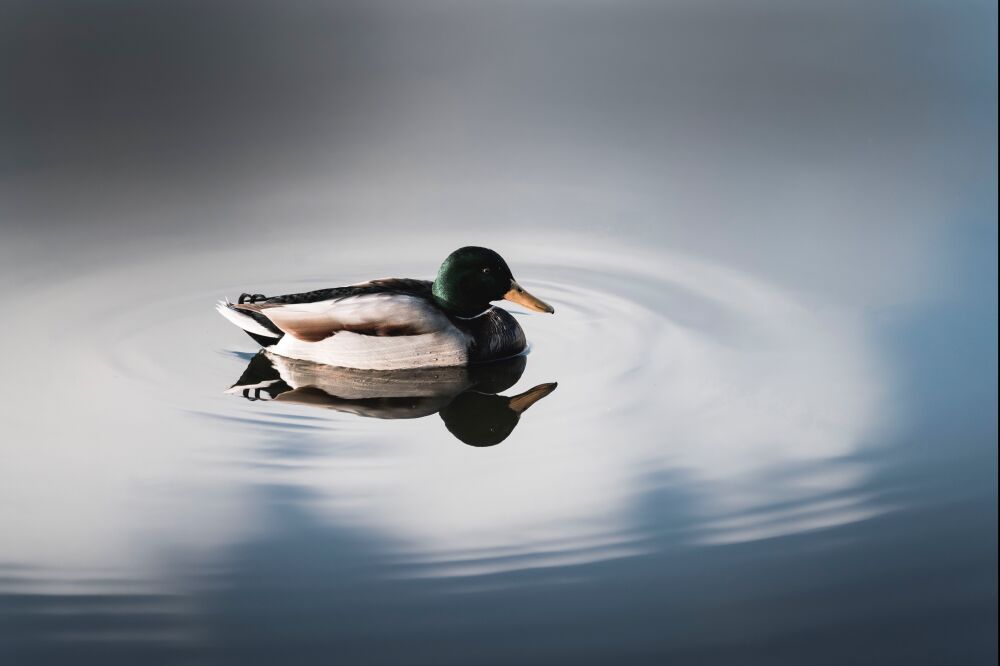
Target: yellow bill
{"points": [[517, 294]]}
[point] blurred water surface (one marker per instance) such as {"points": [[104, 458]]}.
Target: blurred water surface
{"points": [[769, 233]]}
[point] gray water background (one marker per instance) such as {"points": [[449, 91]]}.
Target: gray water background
{"points": [[769, 232]]}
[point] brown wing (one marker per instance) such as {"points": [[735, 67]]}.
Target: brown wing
{"points": [[381, 314]]}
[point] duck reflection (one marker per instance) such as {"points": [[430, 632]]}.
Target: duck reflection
{"points": [[467, 398]]}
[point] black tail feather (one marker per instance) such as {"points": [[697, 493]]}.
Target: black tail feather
{"points": [[263, 341]]}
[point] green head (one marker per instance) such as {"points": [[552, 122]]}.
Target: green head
{"points": [[473, 277]]}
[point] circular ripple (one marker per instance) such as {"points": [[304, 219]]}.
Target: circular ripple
{"points": [[708, 394]]}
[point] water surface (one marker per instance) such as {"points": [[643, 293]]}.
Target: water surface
{"points": [[763, 420], [724, 470]]}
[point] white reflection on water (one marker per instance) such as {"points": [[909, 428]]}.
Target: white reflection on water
{"points": [[674, 373]]}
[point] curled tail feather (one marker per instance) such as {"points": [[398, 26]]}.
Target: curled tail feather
{"points": [[254, 324]]}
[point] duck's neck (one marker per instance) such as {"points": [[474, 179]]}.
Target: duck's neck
{"points": [[456, 307]]}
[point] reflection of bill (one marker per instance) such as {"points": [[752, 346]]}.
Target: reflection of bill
{"points": [[466, 397]]}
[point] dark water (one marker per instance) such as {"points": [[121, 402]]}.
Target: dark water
{"points": [[761, 427]]}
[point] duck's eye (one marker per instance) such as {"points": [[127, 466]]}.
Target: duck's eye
{"points": [[486, 270]]}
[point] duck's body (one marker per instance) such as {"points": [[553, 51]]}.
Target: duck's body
{"points": [[395, 323], [379, 325]]}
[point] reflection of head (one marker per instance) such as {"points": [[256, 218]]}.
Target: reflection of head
{"points": [[481, 419]]}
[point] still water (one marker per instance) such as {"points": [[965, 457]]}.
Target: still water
{"points": [[695, 463]]}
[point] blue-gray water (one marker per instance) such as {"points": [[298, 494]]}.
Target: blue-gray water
{"points": [[769, 233]]}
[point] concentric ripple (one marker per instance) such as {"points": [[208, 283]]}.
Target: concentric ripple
{"points": [[695, 405]]}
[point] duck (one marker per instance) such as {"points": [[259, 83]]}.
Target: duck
{"points": [[396, 323], [467, 398]]}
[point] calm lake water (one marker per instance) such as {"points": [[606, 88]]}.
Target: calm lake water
{"points": [[763, 419], [729, 471]]}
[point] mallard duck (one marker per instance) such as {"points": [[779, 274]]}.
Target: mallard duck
{"points": [[466, 398], [395, 323]]}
